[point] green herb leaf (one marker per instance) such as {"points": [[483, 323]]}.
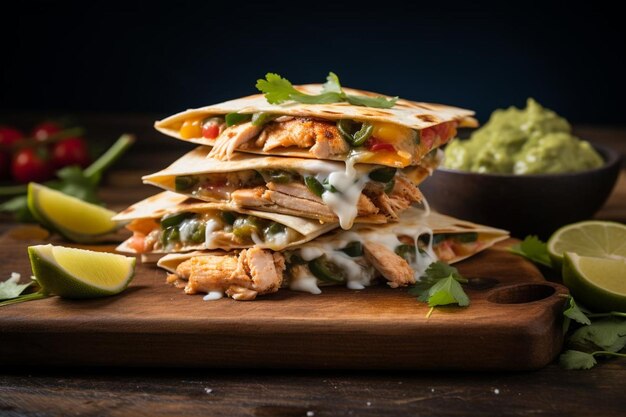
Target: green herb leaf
{"points": [[573, 312], [11, 289], [378, 102], [575, 359], [533, 249], [607, 334], [440, 286], [277, 90], [444, 292], [332, 84]]}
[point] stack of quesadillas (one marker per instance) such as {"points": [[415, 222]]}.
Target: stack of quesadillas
{"points": [[301, 195]]}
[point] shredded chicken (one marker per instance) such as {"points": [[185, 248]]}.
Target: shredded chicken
{"points": [[404, 194], [322, 137], [392, 267], [232, 138], [244, 276]]}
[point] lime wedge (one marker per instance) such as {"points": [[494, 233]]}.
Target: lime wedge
{"points": [[589, 238], [598, 283], [75, 219], [80, 273]]}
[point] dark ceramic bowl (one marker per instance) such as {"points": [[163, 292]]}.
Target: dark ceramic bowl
{"points": [[523, 204]]}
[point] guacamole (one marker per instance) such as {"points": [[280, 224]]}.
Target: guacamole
{"points": [[534, 140]]}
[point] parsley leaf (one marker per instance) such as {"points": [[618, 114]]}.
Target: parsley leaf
{"points": [[573, 312], [575, 359], [277, 90], [11, 289], [533, 249]]}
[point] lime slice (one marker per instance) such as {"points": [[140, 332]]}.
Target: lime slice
{"points": [[80, 273], [75, 219], [589, 238], [598, 283]]}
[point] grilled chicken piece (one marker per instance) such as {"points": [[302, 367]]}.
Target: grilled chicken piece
{"points": [[404, 194], [253, 272], [250, 197], [322, 137], [232, 138], [301, 206], [301, 191], [392, 267]]}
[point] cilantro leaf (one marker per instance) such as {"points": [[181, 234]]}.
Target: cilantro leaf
{"points": [[11, 289], [440, 286], [332, 84], [533, 249], [575, 359], [445, 291], [573, 312], [608, 335], [378, 102], [277, 90]]}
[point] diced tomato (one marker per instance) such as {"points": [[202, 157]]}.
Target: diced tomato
{"points": [[210, 130], [137, 242], [427, 137], [374, 144], [383, 147]]}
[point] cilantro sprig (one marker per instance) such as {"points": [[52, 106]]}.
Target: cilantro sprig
{"points": [[11, 292], [440, 285], [278, 90], [533, 249]]}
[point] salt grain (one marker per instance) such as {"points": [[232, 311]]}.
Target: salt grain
{"points": [[496, 391], [208, 390]]}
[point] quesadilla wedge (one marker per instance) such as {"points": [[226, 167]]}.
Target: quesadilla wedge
{"points": [[170, 222], [328, 191], [398, 253], [399, 136]]}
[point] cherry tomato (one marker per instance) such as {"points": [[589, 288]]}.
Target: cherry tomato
{"points": [[31, 165], [4, 166], [211, 130], [44, 130], [70, 151], [9, 135]]}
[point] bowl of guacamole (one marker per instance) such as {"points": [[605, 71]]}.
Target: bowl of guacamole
{"points": [[525, 171]]}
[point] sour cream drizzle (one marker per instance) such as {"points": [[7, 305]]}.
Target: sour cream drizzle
{"points": [[357, 273]]}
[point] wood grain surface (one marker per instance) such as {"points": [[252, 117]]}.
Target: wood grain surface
{"points": [[112, 391], [514, 322]]}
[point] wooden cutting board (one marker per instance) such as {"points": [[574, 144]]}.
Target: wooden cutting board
{"points": [[513, 323]]}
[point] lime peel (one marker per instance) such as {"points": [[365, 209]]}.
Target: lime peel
{"points": [[80, 273], [599, 283], [73, 218]]}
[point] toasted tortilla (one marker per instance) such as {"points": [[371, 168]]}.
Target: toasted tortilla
{"points": [[438, 223], [197, 162], [411, 114], [168, 202]]}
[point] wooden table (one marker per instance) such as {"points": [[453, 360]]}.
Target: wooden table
{"points": [[226, 392]]}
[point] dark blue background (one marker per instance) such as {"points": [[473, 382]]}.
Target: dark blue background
{"points": [[163, 57]]}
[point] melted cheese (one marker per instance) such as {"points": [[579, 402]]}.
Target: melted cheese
{"points": [[303, 280], [209, 237], [349, 184], [213, 295]]}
